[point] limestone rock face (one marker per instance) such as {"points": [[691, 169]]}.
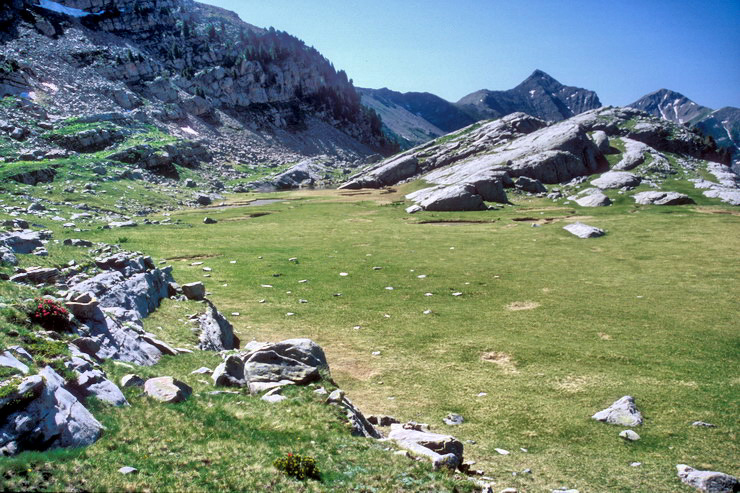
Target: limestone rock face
{"points": [[167, 389], [116, 300], [622, 412]]}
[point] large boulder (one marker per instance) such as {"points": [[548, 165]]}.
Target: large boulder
{"points": [[662, 198], [22, 241], [41, 414], [167, 389], [591, 197], [216, 333], [617, 179], [622, 412], [448, 198], [194, 291], [294, 361], [709, 481], [530, 185]]}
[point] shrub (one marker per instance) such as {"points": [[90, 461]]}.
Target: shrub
{"points": [[50, 314], [298, 466]]}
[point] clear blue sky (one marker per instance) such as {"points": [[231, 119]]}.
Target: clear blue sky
{"points": [[622, 49]]}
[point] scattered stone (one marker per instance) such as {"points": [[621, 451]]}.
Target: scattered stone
{"points": [[209, 220], [709, 481], [128, 470], [202, 371], [502, 451], [203, 199], [582, 230], [702, 424], [167, 389], [530, 185], [629, 435], [453, 419], [382, 420], [622, 412], [335, 397]]}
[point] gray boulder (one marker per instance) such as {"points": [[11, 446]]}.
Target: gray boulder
{"points": [[709, 481], [662, 198], [601, 140], [216, 333], [22, 241], [622, 412], [448, 198], [167, 389], [268, 366], [194, 291], [582, 230], [203, 199], [530, 185], [591, 197], [45, 415], [617, 179]]}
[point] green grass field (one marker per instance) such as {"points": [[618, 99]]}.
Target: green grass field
{"points": [[550, 327]]}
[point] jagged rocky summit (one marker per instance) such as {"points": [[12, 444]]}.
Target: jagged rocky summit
{"points": [[413, 118], [722, 125]]}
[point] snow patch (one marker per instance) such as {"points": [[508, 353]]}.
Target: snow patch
{"points": [[532, 92], [50, 86], [63, 9], [189, 130]]}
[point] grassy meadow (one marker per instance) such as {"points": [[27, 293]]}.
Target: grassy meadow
{"points": [[528, 331]]}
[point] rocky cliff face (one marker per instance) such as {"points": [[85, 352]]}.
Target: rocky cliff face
{"points": [[182, 64], [539, 95]]}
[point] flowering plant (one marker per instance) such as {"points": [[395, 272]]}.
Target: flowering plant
{"points": [[50, 314], [298, 466]]}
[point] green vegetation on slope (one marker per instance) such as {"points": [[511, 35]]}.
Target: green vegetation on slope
{"points": [[550, 327]]}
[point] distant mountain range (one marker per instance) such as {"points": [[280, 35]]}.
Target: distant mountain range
{"points": [[413, 118], [723, 125]]}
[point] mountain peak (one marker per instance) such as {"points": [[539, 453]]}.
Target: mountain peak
{"points": [[540, 75]]}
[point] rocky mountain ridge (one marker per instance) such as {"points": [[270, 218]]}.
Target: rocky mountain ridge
{"points": [[414, 118], [475, 165], [194, 70], [722, 125]]}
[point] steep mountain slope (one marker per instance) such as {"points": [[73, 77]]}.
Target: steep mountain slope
{"points": [[414, 117], [538, 95], [722, 125], [192, 69]]}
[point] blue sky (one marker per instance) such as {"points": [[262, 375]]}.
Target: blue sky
{"points": [[622, 49]]}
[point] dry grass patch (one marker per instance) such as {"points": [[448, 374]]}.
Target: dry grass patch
{"points": [[516, 306], [604, 336], [500, 359]]}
